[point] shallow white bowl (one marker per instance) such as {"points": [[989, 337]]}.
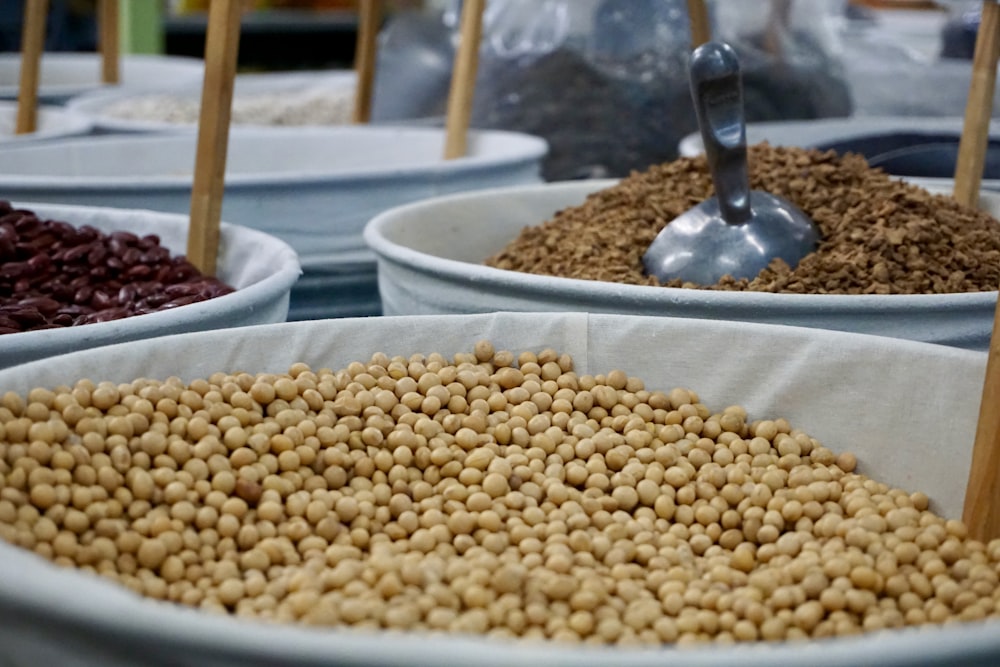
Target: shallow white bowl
{"points": [[430, 258], [313, 187], [63, 75], [865, 394], [96, 105], [261, 267], [52, 123]]}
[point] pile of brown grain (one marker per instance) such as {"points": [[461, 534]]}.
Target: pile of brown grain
{"points": [[880, 235]]}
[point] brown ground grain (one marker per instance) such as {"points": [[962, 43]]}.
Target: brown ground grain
{"points": [[880, 235]]}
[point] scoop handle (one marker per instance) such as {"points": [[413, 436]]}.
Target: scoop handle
{"points": [[717, 90]]}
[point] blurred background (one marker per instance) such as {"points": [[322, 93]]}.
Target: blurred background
{"points": [[308, 33], [603, 81]]}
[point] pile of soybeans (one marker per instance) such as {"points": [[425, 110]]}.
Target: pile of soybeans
{"points": [[489, 493]]}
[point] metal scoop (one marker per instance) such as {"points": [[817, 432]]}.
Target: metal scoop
{"points": [[739, 231]]}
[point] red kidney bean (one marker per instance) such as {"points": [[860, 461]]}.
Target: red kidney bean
{"points": [[72, 311], [138, 272], [131, 256], [61, 229], [126, 237], [27, 315], [101, 300], [106, 315], [39, 262], [126, 295], [162, 273], [181, 289], [8, 330], [25, 223], [58, 291], [13, 269], [40, 242], [156, 300], [83, 295], [45, 305], [117, 247], [180, 273], [181, 301], [77, 253], [97, 254], [155, 255]]}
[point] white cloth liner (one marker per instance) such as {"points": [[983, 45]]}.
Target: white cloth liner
{"points": [[907, 410]]}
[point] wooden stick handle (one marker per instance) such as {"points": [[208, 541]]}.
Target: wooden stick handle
{"points": [[32, 45], [369, 16], [978, 108], [221, 51], [463, 80], [107, 29], [698, 20], [981, 512]]}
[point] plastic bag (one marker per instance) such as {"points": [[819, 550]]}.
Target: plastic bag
{"points": [[605, 81], [912, 63]]}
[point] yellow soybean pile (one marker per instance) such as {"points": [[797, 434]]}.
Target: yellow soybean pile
{"points": [[487, 493]]}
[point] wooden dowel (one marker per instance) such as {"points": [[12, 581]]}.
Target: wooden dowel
{"points": [[369, 17], [107, 30], [32, 44], [221, 51], [463, 80], [981, 511], [701, 32], [978, 108]]}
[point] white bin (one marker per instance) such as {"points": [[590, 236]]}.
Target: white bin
{"points": [[313, 187], [431, 254], [261, 268], [52, 122], [865, 394]]}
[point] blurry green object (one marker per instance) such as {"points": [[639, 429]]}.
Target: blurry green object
{"points": [[140, 25], [71, 25]]}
